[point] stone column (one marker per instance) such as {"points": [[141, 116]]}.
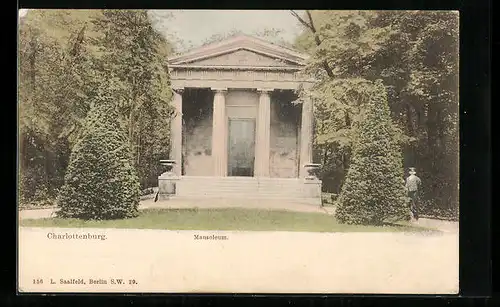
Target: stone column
{"points": [[263, 134], [306, 136], [176, 132], [219, 133]]}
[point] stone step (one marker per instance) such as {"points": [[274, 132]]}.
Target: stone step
{"points": [[268, 183], [243, 188], [239, 188], [249, 196], [241, 193], [244, 184], [239, 179], [254, 201], [184, 190], [241, 184], [250, 189], [236, 192], [237, 185]]}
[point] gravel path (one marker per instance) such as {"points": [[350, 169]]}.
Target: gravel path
{"points": [[263, 204], [445, 226], [199, 203]]}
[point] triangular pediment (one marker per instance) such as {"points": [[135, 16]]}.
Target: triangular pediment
{"points": [[241, 57], [240, 51]]}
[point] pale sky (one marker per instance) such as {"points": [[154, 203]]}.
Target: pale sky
{"points": [[195, 26]]}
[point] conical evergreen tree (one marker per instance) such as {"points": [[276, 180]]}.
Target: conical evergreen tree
{"points": [[100, 183], [374, 188]]}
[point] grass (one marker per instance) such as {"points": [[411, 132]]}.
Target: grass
{"points": [[225, 219]]}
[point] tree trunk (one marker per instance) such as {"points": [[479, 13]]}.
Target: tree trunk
{"points": [[131, 121], [138, 147], [409, 121], [131, 129], [347, 119], [46, 170], [317, 40], [409, 149], [432, 127], [325, 155], [33, 49], [440, 128]]}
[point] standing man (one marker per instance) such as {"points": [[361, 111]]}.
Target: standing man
{"points": [[412, 186]]}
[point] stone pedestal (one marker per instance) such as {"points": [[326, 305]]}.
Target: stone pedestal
{"points": [[167, 181], [312, 185], [312, 188]]}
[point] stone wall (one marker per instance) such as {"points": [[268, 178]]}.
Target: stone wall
{"points": [[242, 104], [284, 154], [197, 134]]}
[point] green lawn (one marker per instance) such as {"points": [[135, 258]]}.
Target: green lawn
{"points": [[224, 219]]}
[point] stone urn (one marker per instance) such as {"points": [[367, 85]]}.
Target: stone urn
{"points": [[312, 170], [167, 167]]}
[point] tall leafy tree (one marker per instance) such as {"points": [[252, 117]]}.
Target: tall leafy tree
{"points": [[415, 53], [62, 61], [52, 82]]}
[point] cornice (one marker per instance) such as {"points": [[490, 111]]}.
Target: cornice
{"points": [[242, 42]]}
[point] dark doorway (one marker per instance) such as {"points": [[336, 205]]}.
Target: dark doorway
{"points": [[241, 147]]}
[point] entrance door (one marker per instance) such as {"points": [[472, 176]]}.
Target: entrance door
{"points": [[241, 147]]}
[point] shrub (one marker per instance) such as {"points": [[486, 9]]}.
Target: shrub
{"points": [[374, 188], [100, 182]]}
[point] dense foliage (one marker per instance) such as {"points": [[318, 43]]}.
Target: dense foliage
{"points": [[54, 79], [135, 53], [415, 53], [374, 189], [100, 182]]}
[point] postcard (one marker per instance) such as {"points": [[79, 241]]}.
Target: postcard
{"points": [[238, 151]]}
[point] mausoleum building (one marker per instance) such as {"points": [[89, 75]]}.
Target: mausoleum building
{"points": [[240, 128]]}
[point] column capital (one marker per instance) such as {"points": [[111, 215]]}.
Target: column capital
{"points": [[220, 90], [265, 90], [178, 90]]}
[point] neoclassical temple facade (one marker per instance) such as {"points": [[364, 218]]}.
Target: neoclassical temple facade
{"points": [[238, 115]]}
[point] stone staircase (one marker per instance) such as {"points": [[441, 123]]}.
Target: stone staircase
{"points": [[306, 191]]}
